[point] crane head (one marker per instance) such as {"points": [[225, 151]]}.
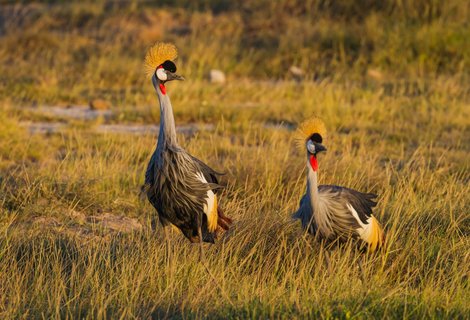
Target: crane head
{"points": [[164, 72], [159, 64], [314, 147]]}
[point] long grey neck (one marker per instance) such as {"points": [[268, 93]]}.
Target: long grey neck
{"points": [[167, 135], [312, 186], [320, 214]]}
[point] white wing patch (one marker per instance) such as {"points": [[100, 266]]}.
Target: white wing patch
{"points": [[210, 207], [365, 230]]}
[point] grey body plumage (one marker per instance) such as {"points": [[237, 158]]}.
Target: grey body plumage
{"points": [[335, 213], [334, 201], [181, 187]]}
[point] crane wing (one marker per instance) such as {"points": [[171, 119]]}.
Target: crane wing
{"points": [[351, 209], [209, 174], [361, 202], [210, 206]]}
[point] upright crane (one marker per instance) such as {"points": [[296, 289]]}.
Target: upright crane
{"points": [[182, 188], [335, 213]]}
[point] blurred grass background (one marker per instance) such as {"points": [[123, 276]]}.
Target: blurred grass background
{"points": [[52, 51], [389, 78]]}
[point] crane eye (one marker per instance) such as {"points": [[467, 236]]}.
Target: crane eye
{"points": [[310, 147], [161, 74]]}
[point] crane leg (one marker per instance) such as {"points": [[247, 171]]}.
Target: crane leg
{"points": [[165, 234], [201, 249], [153, 223], [327, 259], [167, 245]]}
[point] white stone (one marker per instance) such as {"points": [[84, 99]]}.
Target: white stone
{"points": [[216, 76], [296, 72]]}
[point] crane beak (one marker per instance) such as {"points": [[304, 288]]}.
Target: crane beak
{"points": [[173, 76], [319, 148]]}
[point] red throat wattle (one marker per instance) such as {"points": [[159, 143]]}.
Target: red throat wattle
{"points": [[314, 163], [162, 88]]}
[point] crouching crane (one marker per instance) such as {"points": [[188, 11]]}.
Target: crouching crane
{"points": [[334, 213], [182, 188]]}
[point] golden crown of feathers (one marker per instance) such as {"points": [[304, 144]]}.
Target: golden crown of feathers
{"points": [[157, 54], [307, 128]]}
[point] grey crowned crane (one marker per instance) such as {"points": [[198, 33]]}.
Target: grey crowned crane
{"points": [[334, 213], [182, 188]]}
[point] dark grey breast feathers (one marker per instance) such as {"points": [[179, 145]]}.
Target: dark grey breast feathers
{"points": [[175, 190]]}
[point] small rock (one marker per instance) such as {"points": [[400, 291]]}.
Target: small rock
{"points": [[99, 104], [375, 74], [216, 76], [297, 73]]}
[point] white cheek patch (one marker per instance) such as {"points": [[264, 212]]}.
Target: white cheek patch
{"points": [[310, 146], [161, 74]]}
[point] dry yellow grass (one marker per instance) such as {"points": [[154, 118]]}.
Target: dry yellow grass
{"points": [[63, 253], [413, 151]]}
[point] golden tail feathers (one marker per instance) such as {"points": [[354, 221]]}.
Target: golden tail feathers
{"points": [[213, 217], [376, 236]]}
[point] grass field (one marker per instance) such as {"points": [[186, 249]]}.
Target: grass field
{"points": [[391, 82]]}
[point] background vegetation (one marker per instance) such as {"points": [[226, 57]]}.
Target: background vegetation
{"points": [[390, 79]]}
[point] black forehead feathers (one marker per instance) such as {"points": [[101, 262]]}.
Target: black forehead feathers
{"points": [[316, 137], [169, 65]]}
